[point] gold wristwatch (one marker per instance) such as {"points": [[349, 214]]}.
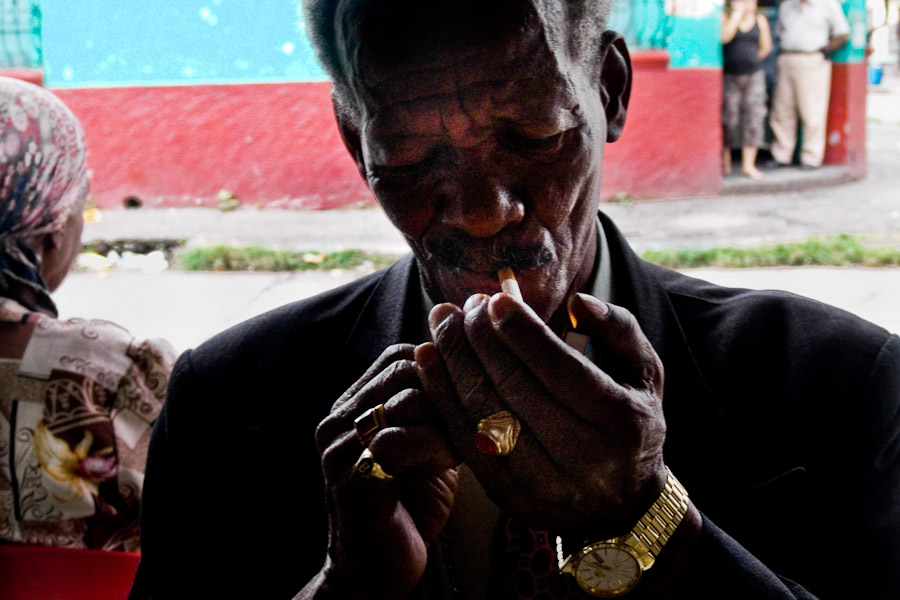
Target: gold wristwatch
{"points": [[613, 567]]}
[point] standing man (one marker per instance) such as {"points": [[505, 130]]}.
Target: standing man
{"points": [[808, 32]]}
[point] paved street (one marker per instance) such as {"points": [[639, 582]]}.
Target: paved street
{"points": [[187, 307]]}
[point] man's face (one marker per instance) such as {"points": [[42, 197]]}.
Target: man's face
{"points": [[485, 154]]}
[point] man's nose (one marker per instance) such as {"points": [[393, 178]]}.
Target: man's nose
{"points": [[482, 208]]}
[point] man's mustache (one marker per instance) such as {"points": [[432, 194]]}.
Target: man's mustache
{"points": [[486, 256]]}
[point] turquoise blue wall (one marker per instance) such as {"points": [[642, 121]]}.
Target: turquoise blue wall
{"points": [[854, 52], [692, 41], [124, 42]]}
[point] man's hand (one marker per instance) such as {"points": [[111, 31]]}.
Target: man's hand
{"points": [[589, 458], [379, 531], [835, 44]]}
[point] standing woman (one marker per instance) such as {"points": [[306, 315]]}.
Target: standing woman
{"points": [[746, 41]]}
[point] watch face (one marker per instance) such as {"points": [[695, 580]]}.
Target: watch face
{"points": [[606, 571]]}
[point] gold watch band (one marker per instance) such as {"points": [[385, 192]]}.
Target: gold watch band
{"points": [[662, 518], [654, 528]]}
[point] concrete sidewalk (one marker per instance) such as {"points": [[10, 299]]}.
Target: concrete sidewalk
{"points": [[189, 307]]}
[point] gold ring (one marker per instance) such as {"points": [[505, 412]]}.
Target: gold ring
{"points": [[370, 423], [368, 467], [497, 434]]}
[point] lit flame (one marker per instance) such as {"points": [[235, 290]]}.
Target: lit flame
{"points": [[573, 319]]}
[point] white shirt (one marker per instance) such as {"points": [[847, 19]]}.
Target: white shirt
{"points": [[809, 26]]}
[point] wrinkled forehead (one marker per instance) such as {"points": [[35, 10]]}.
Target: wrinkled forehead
{"points": [[394, 47]]}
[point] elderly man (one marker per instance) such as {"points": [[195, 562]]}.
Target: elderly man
{"points": [[473, 443], [808, 33]]}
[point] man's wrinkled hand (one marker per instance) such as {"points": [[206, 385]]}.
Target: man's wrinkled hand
{"points": [[379, 531], [590, 450]]}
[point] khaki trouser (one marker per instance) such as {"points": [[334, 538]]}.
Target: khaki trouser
{"points": [[802, 88]]}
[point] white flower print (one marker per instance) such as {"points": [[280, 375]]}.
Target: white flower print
{"points": [[18, 117], [31, 104]]}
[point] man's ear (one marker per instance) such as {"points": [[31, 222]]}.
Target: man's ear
{"points": [[351, 137], [615, 82]]}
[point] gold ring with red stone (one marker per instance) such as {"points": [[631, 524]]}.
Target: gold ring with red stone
{"points": [[497, 434]]}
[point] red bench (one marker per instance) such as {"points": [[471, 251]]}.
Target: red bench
{"points": [[45, 573]]}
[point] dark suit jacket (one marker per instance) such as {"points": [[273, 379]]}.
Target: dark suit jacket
{"points": [[783, 424]]}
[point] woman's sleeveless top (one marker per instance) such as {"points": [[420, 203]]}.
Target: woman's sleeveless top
{"points": [[740, 56]]}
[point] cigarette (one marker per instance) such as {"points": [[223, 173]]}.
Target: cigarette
{"points": [[509, 284]]}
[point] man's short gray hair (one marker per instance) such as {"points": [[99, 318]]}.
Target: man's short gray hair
{"points": [[586, 21]]}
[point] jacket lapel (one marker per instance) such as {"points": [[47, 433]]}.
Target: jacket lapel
{"points": [[701, 439], [389, 317]]}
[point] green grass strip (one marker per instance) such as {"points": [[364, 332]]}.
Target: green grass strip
{"points": [[840, 250], [256, 258]]}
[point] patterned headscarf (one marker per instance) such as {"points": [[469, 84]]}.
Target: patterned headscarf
{"points": [[43, 177]]}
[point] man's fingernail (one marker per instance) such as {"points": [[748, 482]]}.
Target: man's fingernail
{"points": [[474, 301], [603, 307], [586, 300], [499, 307], [425, 354], [438, 314]]}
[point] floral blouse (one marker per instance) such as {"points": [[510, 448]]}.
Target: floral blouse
{"points": [[76, 413]]}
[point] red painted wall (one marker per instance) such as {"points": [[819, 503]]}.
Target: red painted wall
{"points": [[672, 142], [276, 145], [270, 144], [846, 138]]}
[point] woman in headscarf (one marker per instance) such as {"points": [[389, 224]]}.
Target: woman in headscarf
{"points": [[77, 397]]}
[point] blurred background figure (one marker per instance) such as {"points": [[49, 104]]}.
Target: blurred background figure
{"points": [[77, 398], [808, 32], [746, 41]]}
